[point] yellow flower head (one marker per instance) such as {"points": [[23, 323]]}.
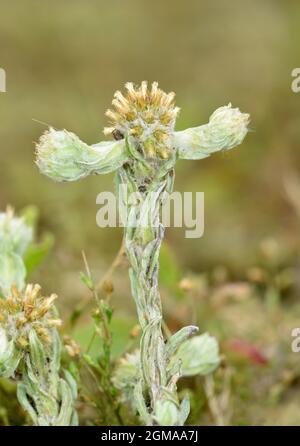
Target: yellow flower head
{"points": [[28, 310], [147, 115]]}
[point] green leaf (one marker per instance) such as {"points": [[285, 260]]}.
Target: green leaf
{"points": [[87, 281], [22, 397], [107, 310], [184, 410], [178, 338], [37, 354], [198, 355], [36, 252]]}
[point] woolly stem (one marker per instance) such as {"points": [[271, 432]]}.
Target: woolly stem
{"points": [[142, 190]]}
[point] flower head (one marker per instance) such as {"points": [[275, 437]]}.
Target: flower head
{"points": [[226, 129], [58, 153], [146, 114], [230, 124], [62, 156], [15, 234], [22, 312]]}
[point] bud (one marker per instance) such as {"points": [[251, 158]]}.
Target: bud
{"points": [[62, 156], [198, 355], [15, 234], [107, 286], [226, 129], [72, 348], [135, 331]]}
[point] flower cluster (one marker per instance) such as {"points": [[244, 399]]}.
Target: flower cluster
{"points": [[28, 310], [30, 346], [146, 114]]}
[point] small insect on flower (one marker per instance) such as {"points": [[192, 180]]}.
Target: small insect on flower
{"points": [[148, 115], [25, 311]]}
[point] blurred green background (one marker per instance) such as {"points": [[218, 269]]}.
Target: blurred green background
{"points": [[64, 60]]}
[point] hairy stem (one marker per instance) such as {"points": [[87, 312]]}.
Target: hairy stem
{"points": [[143, 235]]}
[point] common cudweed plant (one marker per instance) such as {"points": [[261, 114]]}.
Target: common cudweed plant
{"points": [[30, 346], [144, 155]]}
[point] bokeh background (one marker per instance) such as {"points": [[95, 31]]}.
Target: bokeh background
{"points": [[240, 281]]}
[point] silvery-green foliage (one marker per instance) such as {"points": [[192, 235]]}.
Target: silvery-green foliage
{"points": [[15, 234], [197, 356], [62, 156], [23, 312], [166, 412], [15, 237], [45, 396], [178, 338], [144, 157], [10, 356], [226, 129], [30, 351], [3, 342], [29, 341]]}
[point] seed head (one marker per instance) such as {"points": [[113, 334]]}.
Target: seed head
{"points": [[148, 115]]}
